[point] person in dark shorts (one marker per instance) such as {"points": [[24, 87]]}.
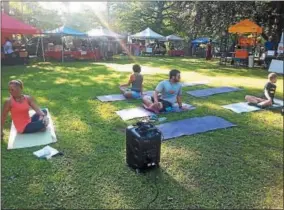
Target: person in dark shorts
{"points": [[136, 82], [170, 91], [19, 105], [266, 99]]}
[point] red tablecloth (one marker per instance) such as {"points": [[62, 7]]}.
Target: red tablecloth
{"points": [[78, 55], [176, 53]]}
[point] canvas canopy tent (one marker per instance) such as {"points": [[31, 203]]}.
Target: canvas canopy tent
{"points": [[103, 32], [148, 34], [203, 40], [10, 25], [174, 38], [175, 45], [106, 46], [65, 31], [245, 26]]}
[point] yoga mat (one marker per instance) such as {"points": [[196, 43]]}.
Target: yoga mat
{"points": [[118, 97], [192, 126], [212, 91], [244, 107], [138, 112], [276, 66], [190, 84], [17, 140]]}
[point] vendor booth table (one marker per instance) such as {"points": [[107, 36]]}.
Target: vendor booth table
{"points": [[11, 26], [175, 41], [108, 40], [176, 52], [149, 49], [58, 52], [244, 55]]}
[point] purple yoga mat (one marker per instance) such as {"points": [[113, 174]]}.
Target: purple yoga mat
{"points": [[212, 91], [118, 97], [192, 126]]}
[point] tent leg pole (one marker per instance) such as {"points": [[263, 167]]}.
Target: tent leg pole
{"points": [[42, 49], [91, 46], [37, 45], [62, 51]]}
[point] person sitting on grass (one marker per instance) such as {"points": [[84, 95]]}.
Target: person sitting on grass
{"points": [[19, 105], [136, 82], [266, 99], [170, 91]]}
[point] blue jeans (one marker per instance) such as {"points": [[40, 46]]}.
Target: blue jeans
{"points": [[35, 125], [135, 94]]}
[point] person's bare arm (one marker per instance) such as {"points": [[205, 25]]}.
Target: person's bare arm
{"points": [[156, 96], [179, 101], [34, 106], [142, 89], [131, 79], [267, 95], [5, 111], [158, 90]]}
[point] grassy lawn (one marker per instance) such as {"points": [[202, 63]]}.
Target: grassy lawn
{"points": [[241, 167]]}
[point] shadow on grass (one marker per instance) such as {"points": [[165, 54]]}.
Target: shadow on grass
{"points": [[231, 168], [208, 68]]}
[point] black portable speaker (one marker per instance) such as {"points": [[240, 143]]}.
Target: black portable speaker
{"points": [[143, 146]]}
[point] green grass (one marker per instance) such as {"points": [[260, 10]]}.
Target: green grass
{"points": [[240, 167]]}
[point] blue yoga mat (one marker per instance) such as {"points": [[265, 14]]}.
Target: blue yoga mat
{"points": [[192, 126], [212, 91]]}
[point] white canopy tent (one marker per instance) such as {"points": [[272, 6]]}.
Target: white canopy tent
{"points": [[103, 32], [174, 38], [148, 34], [106, 35]]}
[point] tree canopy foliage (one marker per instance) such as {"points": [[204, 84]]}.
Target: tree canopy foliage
{"points": [[189, 19]]}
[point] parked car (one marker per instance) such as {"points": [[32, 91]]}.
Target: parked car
{"points": [[35, 42]]}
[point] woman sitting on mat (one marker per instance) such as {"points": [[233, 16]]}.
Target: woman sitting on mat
{"points": [[19, 105], [136, 82], [266, 99]]}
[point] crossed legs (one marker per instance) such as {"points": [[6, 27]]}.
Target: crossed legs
{"points": [[258, 101]]}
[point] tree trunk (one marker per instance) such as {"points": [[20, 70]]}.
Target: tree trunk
{"points": [[279, 19], [6, 7]]}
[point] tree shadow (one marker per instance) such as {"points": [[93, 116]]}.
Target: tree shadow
{"points": [[208, 68], [230, 168]]}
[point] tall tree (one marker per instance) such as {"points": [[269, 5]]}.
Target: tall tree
{"points": [[6, 6], [32, 13]]}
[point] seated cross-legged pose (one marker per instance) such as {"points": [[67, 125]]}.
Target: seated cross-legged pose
{"points": [[19, 105], [136, 82], [170, 93], [266, 99]]}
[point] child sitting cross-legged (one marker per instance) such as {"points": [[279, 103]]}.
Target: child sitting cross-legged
{"points": [[266, 99]]}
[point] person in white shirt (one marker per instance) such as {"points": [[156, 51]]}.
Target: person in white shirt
{"points": [[8, 47]]}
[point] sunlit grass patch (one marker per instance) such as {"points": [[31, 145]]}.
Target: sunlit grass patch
{"points": [[234, 168]]}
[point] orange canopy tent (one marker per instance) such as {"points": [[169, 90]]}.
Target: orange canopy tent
{"points": [[245, 26]]}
